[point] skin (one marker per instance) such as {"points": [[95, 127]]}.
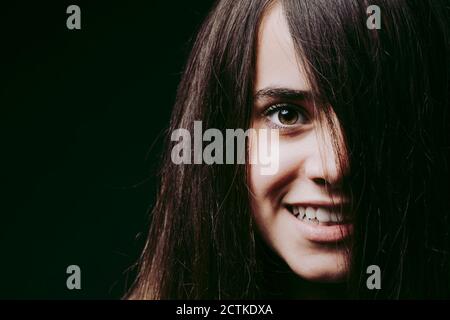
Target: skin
{"points": [[307, 161]]}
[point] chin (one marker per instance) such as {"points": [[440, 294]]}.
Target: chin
{"points": [[320, 267]]}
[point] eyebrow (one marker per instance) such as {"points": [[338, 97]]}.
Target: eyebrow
{"points": [[283, 93]]}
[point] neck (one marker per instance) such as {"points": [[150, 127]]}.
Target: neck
{"points": [[287, 285], [299, 288]]}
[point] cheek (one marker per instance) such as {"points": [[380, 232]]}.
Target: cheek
{"points": [[267, 193], [271, 186], [261, 205]]}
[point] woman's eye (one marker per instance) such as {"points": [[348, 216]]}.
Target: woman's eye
{"points": [[285, 115]]}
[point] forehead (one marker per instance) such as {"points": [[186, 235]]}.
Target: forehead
{"points": [[276, 58]]}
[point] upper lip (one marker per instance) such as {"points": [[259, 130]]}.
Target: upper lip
{"points": [[317, 204]]}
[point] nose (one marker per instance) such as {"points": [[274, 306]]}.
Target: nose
{"points": [[322, 165]]}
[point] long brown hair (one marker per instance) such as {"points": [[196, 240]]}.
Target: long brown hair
{"points": [[390, 91], [201, 243]]}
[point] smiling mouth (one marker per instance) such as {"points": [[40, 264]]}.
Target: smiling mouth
{"points": [[318, 215], [320, 224]]}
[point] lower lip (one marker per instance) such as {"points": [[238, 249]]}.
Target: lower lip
{"points": [[321, 233]]}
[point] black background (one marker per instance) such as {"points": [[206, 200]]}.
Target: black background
{"points": [[82, 117]]}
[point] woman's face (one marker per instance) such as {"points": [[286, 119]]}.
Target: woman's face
{"points": [[296, 208]]}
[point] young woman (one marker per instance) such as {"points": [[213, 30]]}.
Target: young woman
{"points": [[363, 175]]}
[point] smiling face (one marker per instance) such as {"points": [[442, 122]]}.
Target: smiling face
{"points": [[296, 209]]}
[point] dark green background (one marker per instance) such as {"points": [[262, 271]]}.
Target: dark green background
{"points": [[82, 117]]}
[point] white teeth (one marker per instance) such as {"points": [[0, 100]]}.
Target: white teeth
{"points": [[301, 212], [310, 213], [323, 215], [336, 217], [319, 215]]}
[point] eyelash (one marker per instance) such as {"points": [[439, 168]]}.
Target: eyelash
{"points": [[272, 109]]}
